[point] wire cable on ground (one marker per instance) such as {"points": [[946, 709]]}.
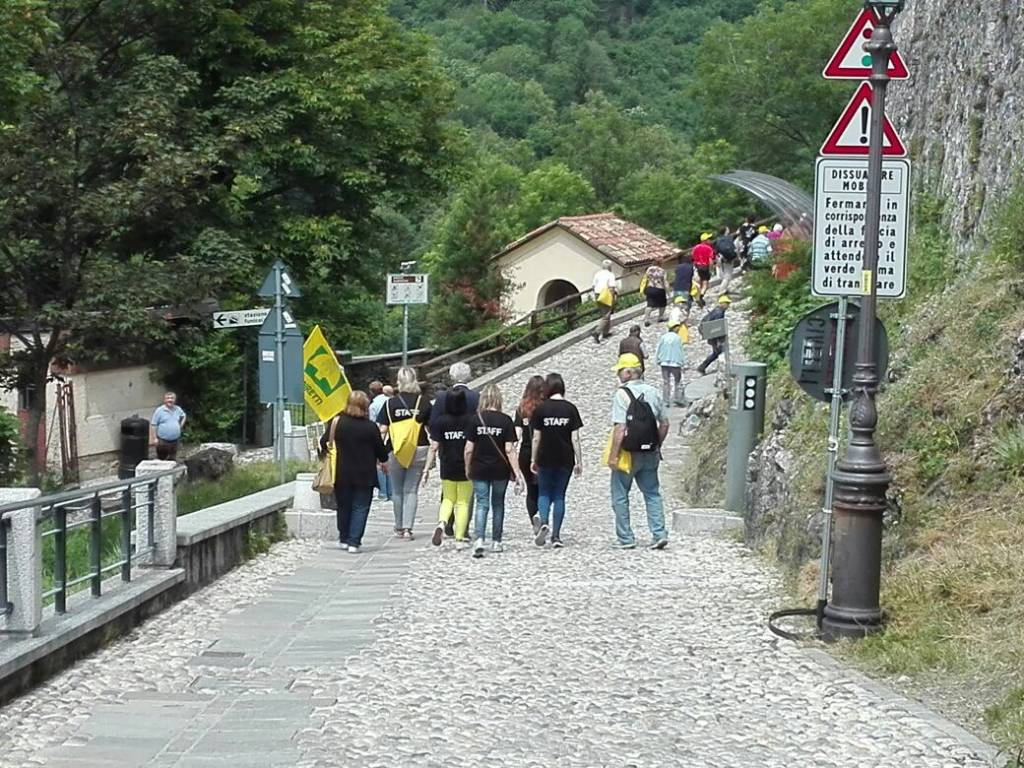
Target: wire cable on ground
{"points": [[818, 613]]}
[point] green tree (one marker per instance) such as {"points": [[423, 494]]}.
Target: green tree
{"points": [[549, 192], [759, 86], [167, 157]]}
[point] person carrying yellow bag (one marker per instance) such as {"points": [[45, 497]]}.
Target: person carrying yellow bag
{"points": [[640, 426], [605, 288], [401, 423]]}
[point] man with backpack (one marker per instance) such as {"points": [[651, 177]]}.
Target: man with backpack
{"points": [[640, 426], [725, 249]]}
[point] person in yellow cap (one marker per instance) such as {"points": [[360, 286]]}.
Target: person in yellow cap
{"points": [[640, 427], [717, 345], [703, 258]]}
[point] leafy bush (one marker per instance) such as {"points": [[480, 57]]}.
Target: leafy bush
{"points": [[11, 454], [777, 306]]}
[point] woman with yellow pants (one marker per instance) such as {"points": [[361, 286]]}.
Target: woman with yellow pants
{"points": [[448, 443]]}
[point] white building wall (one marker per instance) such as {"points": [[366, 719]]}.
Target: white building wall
{"points": [[554, 255], [104, 398]]}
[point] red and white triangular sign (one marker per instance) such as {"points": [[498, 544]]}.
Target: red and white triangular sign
{"points": [[851, 135], [852, 62]]}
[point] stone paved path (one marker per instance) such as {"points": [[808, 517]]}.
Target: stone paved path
{"points": [[405, 656]]}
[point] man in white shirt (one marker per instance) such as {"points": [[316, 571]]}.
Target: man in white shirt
{"points": [[604, 279]]}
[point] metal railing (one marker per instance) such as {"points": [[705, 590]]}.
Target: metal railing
{"points": [[63, 515]]}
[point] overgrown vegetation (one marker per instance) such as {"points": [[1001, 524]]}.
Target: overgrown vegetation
{"points": [[10, 449], [238, 482], [952, 432]]}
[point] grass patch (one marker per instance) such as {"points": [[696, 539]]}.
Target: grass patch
{"points": [[238, 482]]}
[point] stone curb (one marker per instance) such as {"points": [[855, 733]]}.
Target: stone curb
{"points": [[915, 708], [698, 521]]}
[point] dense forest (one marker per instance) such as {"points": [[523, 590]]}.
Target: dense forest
{"points": [[152, 158]]}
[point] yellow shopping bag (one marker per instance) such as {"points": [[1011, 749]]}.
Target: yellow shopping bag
{"points": [[607, 297], [643, 284], [625, 457], [684, 333], [405, 436]]}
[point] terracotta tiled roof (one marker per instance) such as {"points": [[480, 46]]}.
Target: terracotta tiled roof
{"points": [[621, 241]]}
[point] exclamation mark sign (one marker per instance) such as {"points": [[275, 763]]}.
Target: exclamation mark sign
{"points": [[865, 113]]}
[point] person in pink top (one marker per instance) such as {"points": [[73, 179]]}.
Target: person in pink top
{"points": [[703, 258]]}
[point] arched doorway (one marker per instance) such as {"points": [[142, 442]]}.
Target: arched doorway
{"points": [[557, 290]]}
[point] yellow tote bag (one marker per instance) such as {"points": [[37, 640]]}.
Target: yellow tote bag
{"points": [[625, 457], [607, 297], [405, 436], [643, 284], [684, 334]]}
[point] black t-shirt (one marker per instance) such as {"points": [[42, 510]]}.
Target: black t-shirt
{"points": [[747, 232], [450, 435], [402, 407], [684, 277], [490, 461], [524, 445], [556, 420]]}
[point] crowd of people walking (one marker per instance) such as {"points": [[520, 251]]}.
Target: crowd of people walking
{"points": [[393, 440]]}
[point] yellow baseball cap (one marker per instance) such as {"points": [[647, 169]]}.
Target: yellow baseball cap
{"points": [[679, 300], [705, 237], [628, 360], [724, 300], [762, 229]]}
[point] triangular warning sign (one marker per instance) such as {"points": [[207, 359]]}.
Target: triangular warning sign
{"points": [[851, 135], [852, 62]]}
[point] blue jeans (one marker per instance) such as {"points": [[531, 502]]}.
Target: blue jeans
{"points": [[490, 495], [552, 483], [353, 511], [383, 485], [645, 472]]}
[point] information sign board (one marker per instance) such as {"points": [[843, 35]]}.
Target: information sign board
{"points": [[840, 205], [407, 289]]}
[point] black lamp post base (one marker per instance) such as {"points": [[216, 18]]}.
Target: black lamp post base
{"points": [[840, 624]]}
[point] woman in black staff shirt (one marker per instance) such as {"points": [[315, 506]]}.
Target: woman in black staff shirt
{"points": [[409, 403], [556, 455], [533, 396], [448, 442], [491, 440]]}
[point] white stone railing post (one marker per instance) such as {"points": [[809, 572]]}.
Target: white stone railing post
{"points": [[165, 516], [24, 564]]}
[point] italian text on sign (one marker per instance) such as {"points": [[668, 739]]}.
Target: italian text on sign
{"points": [[840, 205], [407, 289]]}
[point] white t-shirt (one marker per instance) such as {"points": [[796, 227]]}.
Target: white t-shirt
{"points": [[604, 279]]}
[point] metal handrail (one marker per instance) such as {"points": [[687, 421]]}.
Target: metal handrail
{"points": [[84, 494], [87, 505]]}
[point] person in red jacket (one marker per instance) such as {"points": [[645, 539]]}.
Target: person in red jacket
{"points": [[703, 258]]}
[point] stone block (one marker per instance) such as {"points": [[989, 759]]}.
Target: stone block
{"points": [[305, 497], [312, 524], [165, 516], [24, 564], [691, 521]]}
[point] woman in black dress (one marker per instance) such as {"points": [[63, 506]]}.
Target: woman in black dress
{"points": [[360, 450]]}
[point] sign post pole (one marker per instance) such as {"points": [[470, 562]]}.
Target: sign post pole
{"points": [[861, 478], [405, 335], [834, 415], [279, 354]]}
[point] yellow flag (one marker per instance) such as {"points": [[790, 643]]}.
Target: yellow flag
{"points": [[327, 387]]}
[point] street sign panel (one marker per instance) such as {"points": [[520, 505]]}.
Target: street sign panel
{"points": [[813, 353], [289, 289], [840, 203], [851, 135], [294, 390], [407, 289], [239, 318], [852, 62]]}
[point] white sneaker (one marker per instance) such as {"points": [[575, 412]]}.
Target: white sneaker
{"points": [[438, 538], [353, 550], [542, 536], [478, 548], [496, 546], [460, 544]]}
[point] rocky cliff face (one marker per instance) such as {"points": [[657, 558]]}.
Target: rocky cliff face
{"points": [[962, 111]]}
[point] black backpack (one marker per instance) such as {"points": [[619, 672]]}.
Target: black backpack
{"points": [[726, 247], [642, 434]]}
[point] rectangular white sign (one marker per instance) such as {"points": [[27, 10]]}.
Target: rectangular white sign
{"points": [[407, 289], [840, 206], [240, 318]]}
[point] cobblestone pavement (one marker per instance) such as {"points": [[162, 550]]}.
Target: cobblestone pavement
{"points": [[585, 656]]}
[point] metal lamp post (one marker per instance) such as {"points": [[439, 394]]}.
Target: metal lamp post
{"points": [[861, 478]]}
